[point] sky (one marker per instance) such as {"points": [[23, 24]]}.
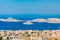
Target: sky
{"points": [[30, 6]]}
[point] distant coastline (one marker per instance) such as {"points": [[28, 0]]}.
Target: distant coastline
{"points": [[48, 20]]}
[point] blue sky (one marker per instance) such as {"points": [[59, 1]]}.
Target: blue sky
{"points": [[30, 6]]}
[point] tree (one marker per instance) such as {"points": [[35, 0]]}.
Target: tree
{"points": [[55, 39], [7, 38], [0, 38]]}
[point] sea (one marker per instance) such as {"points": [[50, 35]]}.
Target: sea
{"points": [[34, 26]]}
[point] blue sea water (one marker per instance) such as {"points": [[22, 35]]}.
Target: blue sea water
{"points": [[34, 26]]}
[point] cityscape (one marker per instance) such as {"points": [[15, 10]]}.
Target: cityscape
{"points": [[29, 34], [29, 19]]}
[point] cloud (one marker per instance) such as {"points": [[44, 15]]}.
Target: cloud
{"points": [[10, 19], [39, 20], [28, 23]]}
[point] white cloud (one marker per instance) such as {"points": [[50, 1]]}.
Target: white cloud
{"points": [[53, 20], [39, 20], [27, 23]]}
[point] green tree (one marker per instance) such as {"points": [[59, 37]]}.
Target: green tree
{"points": [[0, 38], [7, 38], [55, 39]]}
